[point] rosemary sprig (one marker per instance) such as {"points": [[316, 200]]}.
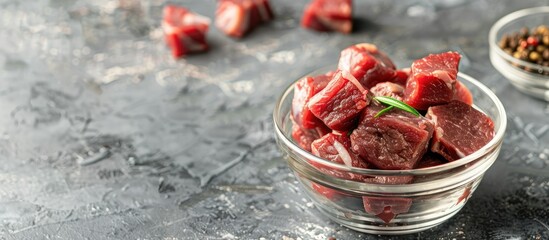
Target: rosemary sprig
{"points": [[394, 103]]}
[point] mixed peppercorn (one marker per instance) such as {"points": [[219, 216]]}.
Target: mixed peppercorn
{"points": [[531, 46]]}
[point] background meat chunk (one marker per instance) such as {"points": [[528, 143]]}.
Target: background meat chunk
{"points": [[430, 160], [184, 31], [459, 129], [339, 104], [238, 17], [367, 64], [432, 80], [401, 76], [463, 94], [388, 89], [328, 15], [304, 89], [395, 140]]}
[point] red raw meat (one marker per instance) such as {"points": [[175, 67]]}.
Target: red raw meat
{"points": [[432, 80], [388, 89], [336, 147], [304, 89], [328, 15], [304, 137], [327, 192], [401, 76], [430, 160], [459, 129], [394, 140], [463, 94], [236, 18], [367, 64], [339, 104], [386, 208], [184, 31]]}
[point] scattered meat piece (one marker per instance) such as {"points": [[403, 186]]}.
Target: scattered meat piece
{"points": [[184, 31], [432, 80], [328, 15], [236, 18], [459, 129], [401, 76], [386, 208], [367, 64], [430, 160], [394, 140], [336, 147], [388, 89], [463, 94], [339, 104], [304, 89]]}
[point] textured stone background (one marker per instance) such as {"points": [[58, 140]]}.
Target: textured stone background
{"points": [[104, 136]]}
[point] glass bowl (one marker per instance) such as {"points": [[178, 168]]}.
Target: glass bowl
{"points": [[435, 194], [533, 82]]}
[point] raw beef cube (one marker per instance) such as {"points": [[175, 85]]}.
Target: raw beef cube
{"points": [[401, 76], [463, 94], [238, 17], [459, 129], [304, 89], [432, 80], [430, 160], [339, 104], [394, 140], [367, 64], [336, 147], [184, 31], [304, 137], [388, 89], [386, 208], [328, 15]]}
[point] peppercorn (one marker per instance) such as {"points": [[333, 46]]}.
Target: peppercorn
{"points": [[534, 56], [545, 54], [545, 39], [504, 42], [540, 48], [532, 41]]}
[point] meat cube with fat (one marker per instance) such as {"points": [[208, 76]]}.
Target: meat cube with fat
{"points": [[328, 15], [395, 140], [367, 63], [388, 89], [184, 31], [304, 89], [304, 137], [336, 147], [432, 81], [459, 130], [236, 18], [339, 104]]}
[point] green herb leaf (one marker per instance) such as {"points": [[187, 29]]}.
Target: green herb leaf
{"points": [[383, 111], [392, 103]]}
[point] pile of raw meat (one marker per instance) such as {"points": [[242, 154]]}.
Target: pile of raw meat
{"points": [[185, 31], [334, 117]]}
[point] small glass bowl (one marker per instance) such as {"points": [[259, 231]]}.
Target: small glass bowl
{"points": [[532, 82], [435, 194]]}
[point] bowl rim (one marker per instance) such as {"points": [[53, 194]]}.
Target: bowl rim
{"points": [[498, 25], [493, 143]]}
